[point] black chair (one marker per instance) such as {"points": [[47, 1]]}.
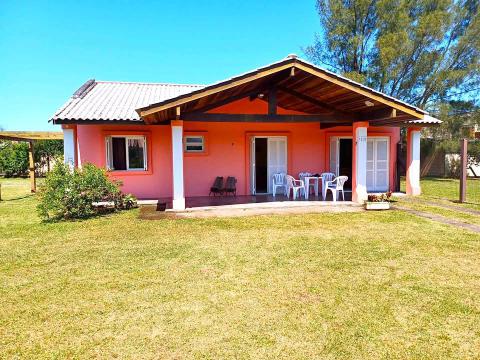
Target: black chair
{"points": [[231, 186], [217, 187]]}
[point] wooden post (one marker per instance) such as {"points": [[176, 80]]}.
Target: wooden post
{"points": [[31, 166], [463, 170], [272, 101]]}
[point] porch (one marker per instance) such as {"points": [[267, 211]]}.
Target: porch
{"points": [[246, 200]]}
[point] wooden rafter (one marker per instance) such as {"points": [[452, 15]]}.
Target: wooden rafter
{"points": [[311, 100]]}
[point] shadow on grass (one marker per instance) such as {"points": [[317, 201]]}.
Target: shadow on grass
{"points": [[17, 198], [148, 212]]}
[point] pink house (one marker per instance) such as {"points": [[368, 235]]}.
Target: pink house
{"points": [[172, 141]]}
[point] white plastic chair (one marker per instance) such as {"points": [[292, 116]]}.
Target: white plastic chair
{"points": [[297, 186], [302, 177], [278, 181], [327, 176], [335, 186]]}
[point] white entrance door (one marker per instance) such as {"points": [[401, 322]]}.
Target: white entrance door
{"points": [[277, 157], [377, 164], [334, 155]]}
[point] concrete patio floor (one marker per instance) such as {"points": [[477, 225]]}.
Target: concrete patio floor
{"points": [[224, 206]]}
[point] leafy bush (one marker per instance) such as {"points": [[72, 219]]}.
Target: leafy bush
{"points": [[13, 158], [80, 193]]}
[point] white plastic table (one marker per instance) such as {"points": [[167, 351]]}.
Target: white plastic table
{"points": [[315, 180]]}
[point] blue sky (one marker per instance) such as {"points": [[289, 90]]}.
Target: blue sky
{"points": [[49, 48]]}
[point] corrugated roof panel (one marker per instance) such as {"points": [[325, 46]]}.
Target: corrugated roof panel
{"points": [[117, 101]]}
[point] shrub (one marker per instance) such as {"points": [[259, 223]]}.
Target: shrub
{"points": [[13, 158], [75, 194], [380, 198]]}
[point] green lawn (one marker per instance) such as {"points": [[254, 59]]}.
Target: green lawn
{"points": [[449, 189], [354, 285]]}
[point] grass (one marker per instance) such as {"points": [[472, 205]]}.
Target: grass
{"points": [[448, 189], [348, 285]]}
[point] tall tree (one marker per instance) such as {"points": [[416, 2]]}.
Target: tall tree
{"points": [[46, 151], [421, 51]]}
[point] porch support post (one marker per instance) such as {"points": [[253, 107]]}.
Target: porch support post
{"points": [[69, 146], [177, 165], [31, 166], [359, 173], [413, 161]]}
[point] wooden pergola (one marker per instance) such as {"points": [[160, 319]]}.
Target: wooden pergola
{"points": [[31, 137]]}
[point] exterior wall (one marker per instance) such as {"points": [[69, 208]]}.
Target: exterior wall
{"points": [[227, 150], [156, 181]]}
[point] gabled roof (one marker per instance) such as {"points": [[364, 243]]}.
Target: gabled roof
{"points": [[101, 101], [302, 87], [311, 79]]}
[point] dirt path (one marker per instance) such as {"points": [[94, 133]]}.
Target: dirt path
{"points": [[439, 218], [448, 207]]}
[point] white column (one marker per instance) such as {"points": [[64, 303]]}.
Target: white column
{"points": [[359, 191], [413, 164], [177, 162], [69, 147]]}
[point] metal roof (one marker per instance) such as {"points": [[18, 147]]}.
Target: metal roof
{"points": [[98, 101], [427, 120], [107, 101]]}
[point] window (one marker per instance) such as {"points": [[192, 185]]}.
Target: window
{"points": [[126, 153], [194, 143]]}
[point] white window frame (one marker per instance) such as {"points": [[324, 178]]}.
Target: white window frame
{"points": [[109, 151], [186, 144]]}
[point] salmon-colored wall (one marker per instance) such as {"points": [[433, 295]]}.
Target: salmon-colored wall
{"points": [[228, 150], [154, 183]]}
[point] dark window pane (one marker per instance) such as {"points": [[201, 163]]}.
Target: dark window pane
{"points": [[118, 154], [196, 140], [194, 147], [135, 154]]}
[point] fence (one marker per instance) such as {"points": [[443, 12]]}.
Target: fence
{"points": [[469, 184]]}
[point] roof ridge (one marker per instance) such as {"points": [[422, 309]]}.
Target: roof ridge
{"points": [[147, 83]]}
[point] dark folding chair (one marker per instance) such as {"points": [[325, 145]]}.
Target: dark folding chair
{"points": [[217, 187], [231, 186]]}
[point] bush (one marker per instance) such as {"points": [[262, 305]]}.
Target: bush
{"points": [[76, 194], [13, 158]]}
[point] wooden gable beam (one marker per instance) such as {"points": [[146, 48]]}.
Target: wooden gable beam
{"points": [[216, 117], [215, 89]]}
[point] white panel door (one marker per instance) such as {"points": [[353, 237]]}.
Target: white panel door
{"points": [[252, 165], [334, 155], [377, 164], [381, 164], [277, 157], [370, 164]]}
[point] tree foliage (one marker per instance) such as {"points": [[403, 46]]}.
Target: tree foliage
{"points": [[460, 119], [13, 158], [421, 51], [46, 151], [14, 155]]}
